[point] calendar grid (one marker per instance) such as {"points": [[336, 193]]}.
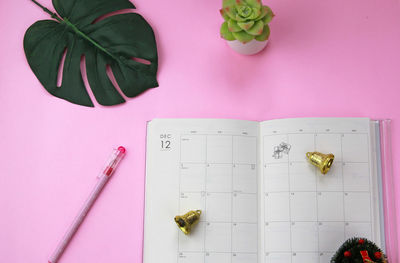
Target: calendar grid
{"points": [[320, 224], [341, 167], [179, 194], [311, 133], [370, 187], [205, 201], [232, 201], [208, 191], [300, 162], [316, 190], [230, 172], [290, 209]]}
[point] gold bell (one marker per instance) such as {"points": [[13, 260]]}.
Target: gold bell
{"points": [[322, 161], [188, 220]]}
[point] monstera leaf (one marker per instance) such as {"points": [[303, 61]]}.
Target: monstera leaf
{"points": [[125, 43]]}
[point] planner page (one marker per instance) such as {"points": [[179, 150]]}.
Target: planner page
{"points": [[306, 215], [207, 165]]}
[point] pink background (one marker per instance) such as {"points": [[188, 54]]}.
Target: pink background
{"points": [[325, 58]]}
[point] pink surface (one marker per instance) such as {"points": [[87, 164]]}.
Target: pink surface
{"points": [[325, 58]]}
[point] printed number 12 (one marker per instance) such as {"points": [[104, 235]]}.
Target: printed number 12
{"points": [[165, 144]]}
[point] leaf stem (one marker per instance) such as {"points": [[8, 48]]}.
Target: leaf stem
{"points": [[80, 33], [53, 15]]}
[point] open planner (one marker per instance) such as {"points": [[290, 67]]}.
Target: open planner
{"points": [[261, 200]]}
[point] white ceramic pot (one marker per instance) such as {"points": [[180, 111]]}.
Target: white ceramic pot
{"points": [[250, 48]]}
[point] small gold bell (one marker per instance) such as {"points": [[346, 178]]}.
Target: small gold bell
{"points": [[188, 220], [322, 161]]}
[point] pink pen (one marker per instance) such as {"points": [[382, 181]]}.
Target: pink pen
{"points": [[112, 163]]}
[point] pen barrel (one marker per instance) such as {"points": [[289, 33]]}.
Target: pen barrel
{"points": [[79, 219]]}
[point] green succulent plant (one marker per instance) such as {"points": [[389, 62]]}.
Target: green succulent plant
{"points": [[245, 20]]}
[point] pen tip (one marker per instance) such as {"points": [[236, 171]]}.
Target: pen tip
{"points": [[121, 149]]}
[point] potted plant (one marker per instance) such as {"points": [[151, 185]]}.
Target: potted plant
{"points": [[246, 27]]}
